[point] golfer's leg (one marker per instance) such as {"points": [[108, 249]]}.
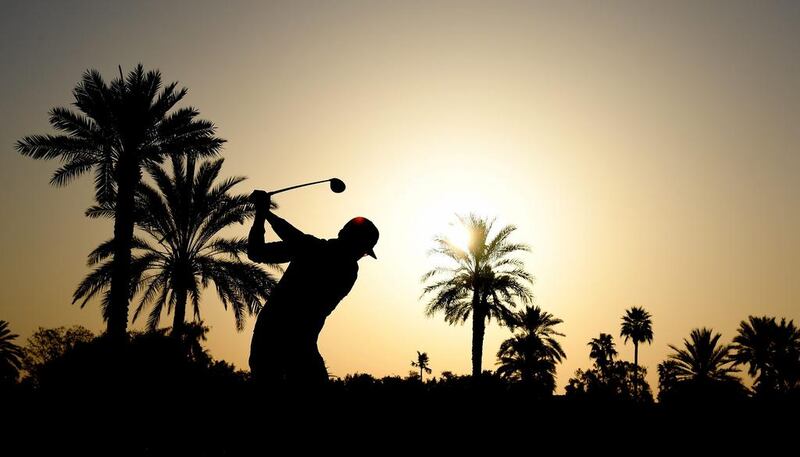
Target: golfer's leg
{"points": [[265, 366], [319, 373], [307, 370]]}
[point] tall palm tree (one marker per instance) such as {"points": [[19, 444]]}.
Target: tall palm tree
{"points": [[183, 216], [119, 129], [10, 354], [423, 363], [531, 356], [637, 325], [484, 281], [771, 351], [702, 359], [602, 351]]}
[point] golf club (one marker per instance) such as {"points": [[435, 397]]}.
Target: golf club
{"points": [[337, 186]]}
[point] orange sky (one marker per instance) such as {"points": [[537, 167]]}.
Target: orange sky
{"points": [[648, 154]]}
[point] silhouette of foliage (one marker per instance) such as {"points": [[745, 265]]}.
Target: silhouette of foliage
{"points": [[154, 364], [602, 350], [700, 371], [10, 355], [609, 379], [771, 350], [119, 129], [484, 282], [618, 380], [702, 358], [423, 363], [637, 326], [667, 378], [47, 345], [182, 217], [531, 355]]}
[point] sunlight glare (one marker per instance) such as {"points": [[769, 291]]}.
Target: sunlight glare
{"points": [[459, 236]]}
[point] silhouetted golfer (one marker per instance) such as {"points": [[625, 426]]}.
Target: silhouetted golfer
{"points": [[320, 273]]}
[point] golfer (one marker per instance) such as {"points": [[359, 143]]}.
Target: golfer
{"points": [[284, 351]]}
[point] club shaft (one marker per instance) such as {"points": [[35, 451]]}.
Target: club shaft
{"points": [[295, 187]]}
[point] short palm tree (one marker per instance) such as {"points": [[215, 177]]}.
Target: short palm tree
{"points": [[119, 129], [484, 281], [531, 356], [10, 354], [423, 363], [637, 326], [183, 216], [772, 352], [602, 351], [702, 359]]}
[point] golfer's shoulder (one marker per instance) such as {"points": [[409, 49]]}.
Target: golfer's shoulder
{"points": [[311, 241]]}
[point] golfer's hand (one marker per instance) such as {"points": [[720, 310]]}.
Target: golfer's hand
{"points": [[260, 199]]}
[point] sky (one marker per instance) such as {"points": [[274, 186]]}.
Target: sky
{"points": [[647, 152]]}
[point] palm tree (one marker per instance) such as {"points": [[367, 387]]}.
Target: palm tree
{"points": [[602, 351], [532, 355], [10, 354], [422, 363], [534, 321], [771, 351], [702, 360], [637, 325], [483, 281], [119, 129], [183, 217]]}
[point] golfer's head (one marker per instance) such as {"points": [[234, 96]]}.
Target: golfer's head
{"points": [[361, 234]]}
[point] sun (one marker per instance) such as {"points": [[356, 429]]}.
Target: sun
{"points": [[459, 236], [437, 216]]}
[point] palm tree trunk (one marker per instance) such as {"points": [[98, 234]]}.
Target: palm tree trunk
{"points": [[636, 366], [478, 331], [420, 374], [180, 312], [128, 177]]}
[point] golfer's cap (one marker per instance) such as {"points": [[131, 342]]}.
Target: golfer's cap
{"points": [[363, 230]]}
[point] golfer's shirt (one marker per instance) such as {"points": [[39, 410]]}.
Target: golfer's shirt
{"points": [[320, 274]]}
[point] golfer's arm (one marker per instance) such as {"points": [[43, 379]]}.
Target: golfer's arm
{"points": [[259, 251], [285, 231]]}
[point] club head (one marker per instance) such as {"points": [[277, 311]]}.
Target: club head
{"points": [[337, 185]]}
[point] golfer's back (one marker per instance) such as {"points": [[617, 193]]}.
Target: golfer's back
{"points": [[319, 275]]}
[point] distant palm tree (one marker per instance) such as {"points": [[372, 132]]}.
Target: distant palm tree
{"points": [[422, 363], [119, 129], [637, 325], [10, 354], [484, 281], [771, 351], [531, 356], [184, 216], [602, 351], [702, 359]]}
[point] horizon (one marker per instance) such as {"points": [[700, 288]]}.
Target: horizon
{"points": [[647, 153]]}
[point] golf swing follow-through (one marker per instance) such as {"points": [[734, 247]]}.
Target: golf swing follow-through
{"points": [[284, 352]]}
